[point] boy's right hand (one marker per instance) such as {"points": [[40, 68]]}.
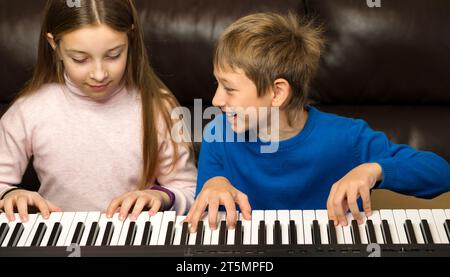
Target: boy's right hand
{"points": [[218, 191], [21, 199]]}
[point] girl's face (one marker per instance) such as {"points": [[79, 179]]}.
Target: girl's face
{"points": [[94, 58]]}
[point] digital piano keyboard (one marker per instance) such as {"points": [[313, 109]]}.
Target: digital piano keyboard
{"points": [[269, 233]]}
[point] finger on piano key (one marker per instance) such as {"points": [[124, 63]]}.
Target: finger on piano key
{"points": [[118, 224], [221, 216], [246, 230], [269, 219], [168, 216], [283, 217], [231, 233], [88, 224], [65, 223], [308, 217], [413, 215], [79, 217], [257, 217], [28, 227], [124, 234], [427, 214], [297, 217], [140, 227], [439, 220], [400, 219], [389, 223], [376, 221], [322, 219]]}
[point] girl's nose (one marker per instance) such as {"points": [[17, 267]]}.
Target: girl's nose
{"points": [[99, 74]]}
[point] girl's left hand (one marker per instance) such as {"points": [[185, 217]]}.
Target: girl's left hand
{"points": [[138, 200], [345, 193]]}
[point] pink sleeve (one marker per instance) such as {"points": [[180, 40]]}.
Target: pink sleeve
{"points": [[181, 179], [15, 148]]}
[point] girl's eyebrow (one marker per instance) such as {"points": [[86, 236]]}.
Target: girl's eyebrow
{"points": [[81, 52]]}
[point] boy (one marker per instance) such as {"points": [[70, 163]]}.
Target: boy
{"points": [[322, 160]]}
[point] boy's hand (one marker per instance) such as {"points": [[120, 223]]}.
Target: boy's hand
{"points": [[21, 199], [346, 191], [138, 199], [218, 191]]}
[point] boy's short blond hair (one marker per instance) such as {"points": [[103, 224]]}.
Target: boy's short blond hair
{"points": [[268, 46]]}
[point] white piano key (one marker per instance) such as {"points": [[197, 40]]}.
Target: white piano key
{"points": [[283, 217], [124, 232], [28, 227], [66, 223], [246, 230], [79, 217], [362, 229], [269, 218], [178, 227], [439, 219], [400, 218], [447, 213], [207, 233], [90, 218], [308, 217], [50, 222], [167, 217], [428, 216], [347, 229], [340, 234], [322, 218], [117, 229], [376, 220], [215, 233], [414, 216], [156, 222], [140, 225], [297, 216], [389, 217], [257, 216], [231, 233]]}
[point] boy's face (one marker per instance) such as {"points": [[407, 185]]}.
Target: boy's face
{"points": [[95, 59], [237, 96]]}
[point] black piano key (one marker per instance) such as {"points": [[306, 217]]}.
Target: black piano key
{"points": [[4, 228], [447, 228], [238, 234], [78, 233], [292, 233], [262, 233], [54, 235], [109, 230], [332, 233], [277, 240], [39, 235], [428, 238], [93, 234], [184, 233], [370, 229], [410, 232], [199, 236], [315, 228], [222, 233], [386, 232], [132, 228], [169, 234], [17, 233], [355, 232], [147, 233]]}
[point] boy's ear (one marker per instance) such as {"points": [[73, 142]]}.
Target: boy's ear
{"points": [[281, 92]]}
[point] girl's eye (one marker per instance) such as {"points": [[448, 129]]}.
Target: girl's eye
{"points": [[114, 57], [79, 61]]}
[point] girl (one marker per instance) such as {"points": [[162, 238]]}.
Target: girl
{"points": [[96, 119]]}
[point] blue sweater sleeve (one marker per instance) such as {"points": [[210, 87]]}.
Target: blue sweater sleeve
{"points": [[405, 170], [210, 162]]}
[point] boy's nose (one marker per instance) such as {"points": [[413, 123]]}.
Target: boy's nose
{"points": [[218, 100]]}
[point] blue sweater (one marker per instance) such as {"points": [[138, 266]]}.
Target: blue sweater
{"points": [[300, 174]]}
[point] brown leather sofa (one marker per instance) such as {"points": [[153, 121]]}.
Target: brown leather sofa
{"points": [[387, 65]]}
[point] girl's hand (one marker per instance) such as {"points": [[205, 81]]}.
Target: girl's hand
{"points": [[218, 191], [21, 199], [140, 199], [346, 191]]}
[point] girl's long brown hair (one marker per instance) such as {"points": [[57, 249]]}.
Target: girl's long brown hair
{"points": [[120, 15]]}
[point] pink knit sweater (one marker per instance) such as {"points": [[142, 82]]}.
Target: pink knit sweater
{"points": [[85, 152]]}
